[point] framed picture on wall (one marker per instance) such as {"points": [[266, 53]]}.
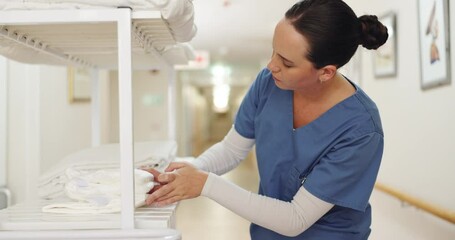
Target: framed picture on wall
{"points": [[434, 43], [79, 89], [385, 57]]}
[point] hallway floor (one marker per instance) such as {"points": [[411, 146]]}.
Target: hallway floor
{"points": [[204, 219]]}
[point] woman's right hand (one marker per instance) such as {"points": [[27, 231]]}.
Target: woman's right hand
{"points": [[179, 181]]}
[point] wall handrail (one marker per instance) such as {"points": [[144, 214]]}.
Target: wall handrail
{"points": [[442, 213]]}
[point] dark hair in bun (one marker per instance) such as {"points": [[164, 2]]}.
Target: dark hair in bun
{"points": [[333, 30], [374, 34]]}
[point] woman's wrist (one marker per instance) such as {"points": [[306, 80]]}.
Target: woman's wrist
{"points": [[211, 180], [202, 179]]}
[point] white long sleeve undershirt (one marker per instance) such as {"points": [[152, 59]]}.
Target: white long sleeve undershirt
{"points": [[225, 155], [286, 218]]}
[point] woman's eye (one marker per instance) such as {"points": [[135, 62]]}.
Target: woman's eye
{"points": [[287, 65]]}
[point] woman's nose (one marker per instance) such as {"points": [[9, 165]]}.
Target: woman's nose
{"points": [[272, 67]]}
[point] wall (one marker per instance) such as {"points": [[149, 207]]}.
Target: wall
{"points": [[43, 126], [3, 118], [60, 119], [419, 132], [23, 128], [150, 110]]}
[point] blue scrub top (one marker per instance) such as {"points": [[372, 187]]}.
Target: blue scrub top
{"points": [[338, 155]]}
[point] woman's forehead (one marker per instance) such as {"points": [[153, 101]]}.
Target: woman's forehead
{"points": [[288, 42]]}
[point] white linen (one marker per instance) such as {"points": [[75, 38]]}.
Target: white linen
{"points": [[99, 192], [155, 154], [178, 13]]}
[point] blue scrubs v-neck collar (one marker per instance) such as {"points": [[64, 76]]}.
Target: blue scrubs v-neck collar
{"points": [[333, 108]]}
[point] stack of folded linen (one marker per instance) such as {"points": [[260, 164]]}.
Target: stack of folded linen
{"points": [[154, 154], [179, 14], [99, 192]]}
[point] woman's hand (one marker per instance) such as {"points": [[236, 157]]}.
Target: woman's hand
{"points": [[179, 181]]}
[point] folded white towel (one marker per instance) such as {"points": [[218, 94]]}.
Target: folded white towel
{"points": [[153, 154], [100, 192], [179, 14]]}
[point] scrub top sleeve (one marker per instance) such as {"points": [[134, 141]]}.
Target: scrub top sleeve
{"points": [[345, 176], [244, 121]]}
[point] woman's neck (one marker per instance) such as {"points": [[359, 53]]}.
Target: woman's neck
{"points": [[336, 88]]}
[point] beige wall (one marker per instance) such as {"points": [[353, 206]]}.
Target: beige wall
{"points": [[20, 121], [66, 127], [150, 105], [419, 132], [43, 126]]}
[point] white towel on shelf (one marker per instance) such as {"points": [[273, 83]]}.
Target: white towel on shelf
{"points": [[99, 192], [179, 14], [153, 154]]}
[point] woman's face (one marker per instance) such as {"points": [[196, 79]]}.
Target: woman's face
{"points": [[289, 66]]}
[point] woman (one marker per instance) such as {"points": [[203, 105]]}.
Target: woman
{"points": [[318, 136]]}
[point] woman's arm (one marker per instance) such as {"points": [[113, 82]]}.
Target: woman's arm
{"points": [[286, 218], [183, 181], [225, 155]]}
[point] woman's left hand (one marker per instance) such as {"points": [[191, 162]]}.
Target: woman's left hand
{"points": [[179, 181]]}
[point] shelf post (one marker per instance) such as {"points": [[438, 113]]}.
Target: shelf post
{"points": [[126, 118]]}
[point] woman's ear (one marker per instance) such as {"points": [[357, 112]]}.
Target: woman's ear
{"points": [[326, 73]]}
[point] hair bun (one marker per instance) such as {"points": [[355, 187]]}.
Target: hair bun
{"points": [[374, 33]]}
